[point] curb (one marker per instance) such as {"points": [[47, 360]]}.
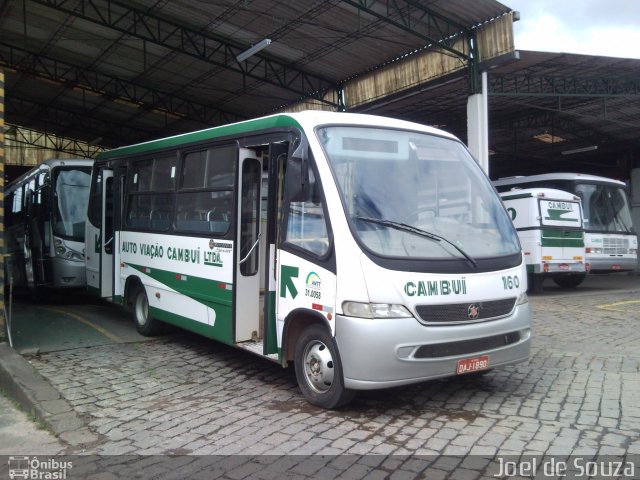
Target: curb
{"points": [[21, 382]]}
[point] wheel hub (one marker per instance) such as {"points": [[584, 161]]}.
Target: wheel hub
{"points": [[319, 366]]}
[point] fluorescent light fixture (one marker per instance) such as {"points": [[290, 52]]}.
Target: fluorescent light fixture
{"points": [[579, 150], [249, 52]]}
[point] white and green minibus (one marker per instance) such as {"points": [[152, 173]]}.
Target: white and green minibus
{"points": [[550, 228], [379, 255], [611, 244]]}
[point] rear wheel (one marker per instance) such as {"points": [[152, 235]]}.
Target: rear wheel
{"points": [[535, 282], [569, 281], [318, 369], [145, 324]]}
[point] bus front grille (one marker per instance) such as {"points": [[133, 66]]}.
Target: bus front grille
{"points": [[455, 313], [467, 347], [615, 246]]}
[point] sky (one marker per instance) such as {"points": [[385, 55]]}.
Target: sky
{"points": [[608, 28]]}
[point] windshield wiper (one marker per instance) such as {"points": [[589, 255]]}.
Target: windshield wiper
{"points": [[417, 231]]}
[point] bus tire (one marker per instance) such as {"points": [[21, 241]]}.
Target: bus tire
{"points": [[569, 281], [145, 324], [535, 281], [318, 369]]}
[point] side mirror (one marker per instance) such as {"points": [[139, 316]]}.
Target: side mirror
{"points": [[298, 172]]}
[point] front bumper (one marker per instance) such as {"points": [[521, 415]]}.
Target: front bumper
{"points": [[381, 353]]}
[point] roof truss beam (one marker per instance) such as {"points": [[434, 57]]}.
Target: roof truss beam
{"points": [[409, 16], [54, 119], [111, 88], [219, 52], [517, 84], [47, 141]]}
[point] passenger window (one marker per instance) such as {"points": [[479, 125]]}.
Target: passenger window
{"points": [[204, 212], [205, 199], [151, 187]]}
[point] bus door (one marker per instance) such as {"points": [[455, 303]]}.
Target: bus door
{"points": [[100, 241], [248, 272]]}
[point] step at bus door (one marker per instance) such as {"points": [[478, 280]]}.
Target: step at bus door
{"points": [[247, 247]]}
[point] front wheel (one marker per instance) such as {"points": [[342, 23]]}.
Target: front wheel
{"points": [[145, 324], [319, 371]]}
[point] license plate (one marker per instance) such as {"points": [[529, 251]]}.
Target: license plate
{"points": [[564, 266], [468, 365], [615, 267]]}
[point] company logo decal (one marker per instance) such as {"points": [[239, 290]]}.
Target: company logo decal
{"points": [[473, 311], [313, 286], [436, 287], [556, 210]]}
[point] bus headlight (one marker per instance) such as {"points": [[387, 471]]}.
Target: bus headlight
{"points": [[522, 299], [375, 310], [67, 253]]}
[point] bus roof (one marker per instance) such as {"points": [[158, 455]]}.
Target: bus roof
{"points": [[48, 164], [517, 180], [547, 193], [301, 120]]}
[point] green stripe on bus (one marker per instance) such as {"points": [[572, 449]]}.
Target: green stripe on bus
{"points": [[221, 331], [562, 242], [204, 290], [563, 238], [247, 127], [214, 294], [573, 234], [272, 337]]}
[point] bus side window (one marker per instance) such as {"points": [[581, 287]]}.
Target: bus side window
{"points": [[205, 195], [306, 222]]}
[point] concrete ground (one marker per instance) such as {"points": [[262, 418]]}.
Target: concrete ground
{"points": [[21, 435], [185, 395]]}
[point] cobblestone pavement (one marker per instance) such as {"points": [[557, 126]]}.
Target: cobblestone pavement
{"points": [[184, 394]]}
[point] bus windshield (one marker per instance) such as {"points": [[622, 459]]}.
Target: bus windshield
{"points": [[410, 194], [71, 194], [606, 208]]}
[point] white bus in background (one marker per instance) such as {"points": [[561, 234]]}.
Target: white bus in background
{"points": [[550, 228], [45, 211], [611, 243], [388, 258]]}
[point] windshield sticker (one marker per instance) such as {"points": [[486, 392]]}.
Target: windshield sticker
{"points": [[436, 287]]}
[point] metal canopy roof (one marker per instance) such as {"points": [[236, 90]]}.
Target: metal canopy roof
{"points": [[115, 72], [577, 101]]}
